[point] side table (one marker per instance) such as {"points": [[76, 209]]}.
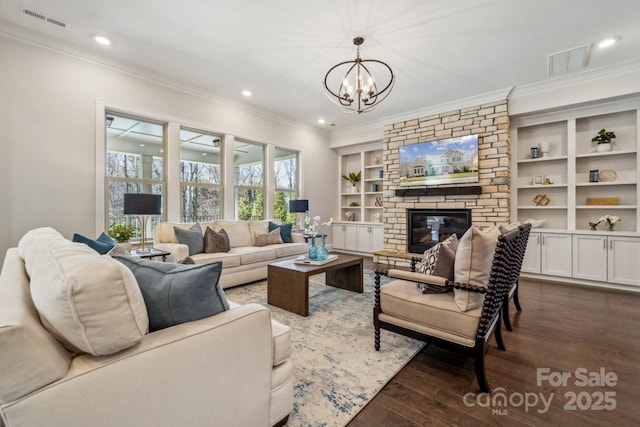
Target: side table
{"points": [[151, 254]]}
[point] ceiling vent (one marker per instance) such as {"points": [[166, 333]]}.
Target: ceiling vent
{"points": [[42, 17], [568, 60]]}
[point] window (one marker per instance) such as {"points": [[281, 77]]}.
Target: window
{"points": [[248, 164], [200, 176], [285, 171], [134, 164]]}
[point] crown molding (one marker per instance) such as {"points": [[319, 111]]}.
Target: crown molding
{"points": [[484, 98], [134, 72], [570, 79]]}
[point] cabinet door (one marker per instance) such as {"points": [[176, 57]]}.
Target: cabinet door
{"points": [[531, 261], [556, 254], [338, 236], [590, 257], [377, 238], [624, 266], [364, 238], [351, 237]]}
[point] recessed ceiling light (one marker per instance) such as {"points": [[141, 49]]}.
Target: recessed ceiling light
{"points": [[204, 154], [246, 92], [321, 121], [141, 145], [607, 42], [102, 40]]}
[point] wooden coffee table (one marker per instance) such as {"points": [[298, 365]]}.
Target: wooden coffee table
{"points": [[288, 282]]}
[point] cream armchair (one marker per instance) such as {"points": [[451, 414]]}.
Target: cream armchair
{"points": [[436, 317]]}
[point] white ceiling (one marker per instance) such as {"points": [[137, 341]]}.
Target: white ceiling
{"points": [[440, 50]]}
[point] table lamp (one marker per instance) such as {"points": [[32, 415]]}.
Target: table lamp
{"points": [[299, 206], [142, 205]]}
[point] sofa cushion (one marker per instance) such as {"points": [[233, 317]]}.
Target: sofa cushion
{"points": [[216, 241], [228, 259], [474, 257], [238, 231], [191, 237], [103, 244], [439, 311], [177, 293], [285, 231], [251, 254], [31, 356], [270, 238], [91, 303], [281, 342], [290, 249], [258, 227]]}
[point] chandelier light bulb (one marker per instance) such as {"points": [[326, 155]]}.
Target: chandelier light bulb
{"points": [[359, 97]]}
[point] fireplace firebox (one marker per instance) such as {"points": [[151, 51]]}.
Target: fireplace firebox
{"points": [[427, 227]]}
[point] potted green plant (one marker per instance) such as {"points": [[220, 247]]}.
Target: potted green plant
{"points": [[122, 232], [603, 140], [354, 178]]}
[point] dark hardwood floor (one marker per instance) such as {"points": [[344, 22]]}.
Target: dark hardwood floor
{"points": [[562, 328]]}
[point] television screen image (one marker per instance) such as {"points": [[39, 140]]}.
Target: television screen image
{"points": [[446, 161]]}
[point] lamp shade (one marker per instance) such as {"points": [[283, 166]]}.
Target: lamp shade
{"points": [[298, 206], [142, 204]]}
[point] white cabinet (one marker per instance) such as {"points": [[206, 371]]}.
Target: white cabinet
{"points": [[590, 257], [370, 238], [624, 260], [555, 254], [531, 261], [596, 257], [338, 236], [358, 237]]}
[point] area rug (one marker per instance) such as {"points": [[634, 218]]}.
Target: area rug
{"points": [[337, 369]]}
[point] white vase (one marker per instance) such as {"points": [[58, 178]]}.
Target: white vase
{"points": [[601, 148], [353, 188]]}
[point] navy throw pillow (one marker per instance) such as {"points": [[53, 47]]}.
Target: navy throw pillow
{"points": [[103, 244], [285, 231], [177, 293], [192, 237]]}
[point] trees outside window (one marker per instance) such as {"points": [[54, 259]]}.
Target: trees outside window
{"points": [[200, 176], [249, 180], [285, 169], [134, 164]]}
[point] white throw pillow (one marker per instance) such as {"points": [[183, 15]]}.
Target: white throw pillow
{"points": [[91, 303], [238, 232], [474, 257]]}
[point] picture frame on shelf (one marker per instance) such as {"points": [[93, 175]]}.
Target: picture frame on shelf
{"points": [[538, 180]]}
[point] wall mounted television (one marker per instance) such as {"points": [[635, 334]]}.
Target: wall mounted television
{"points": [[446, 161]]}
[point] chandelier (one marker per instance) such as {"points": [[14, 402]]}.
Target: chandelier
{"points": [[357, 89]]}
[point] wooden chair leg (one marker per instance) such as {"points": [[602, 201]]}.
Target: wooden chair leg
{"points": [[505, 314], [377, 339], [516, 300], [498, 334], [480, 374]]}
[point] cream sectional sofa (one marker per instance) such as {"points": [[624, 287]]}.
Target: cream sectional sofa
{"points": [[245, 262], [229, 369]]}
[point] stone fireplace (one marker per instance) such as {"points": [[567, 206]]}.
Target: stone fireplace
{"points": [[491, 122]]}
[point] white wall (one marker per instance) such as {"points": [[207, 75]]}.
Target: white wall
{"points": [[48, 137]]}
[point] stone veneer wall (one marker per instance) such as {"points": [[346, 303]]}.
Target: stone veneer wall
{"points": [[491, 123]]}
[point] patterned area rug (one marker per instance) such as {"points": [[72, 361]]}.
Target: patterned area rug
{"points": [[336, 366]]}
